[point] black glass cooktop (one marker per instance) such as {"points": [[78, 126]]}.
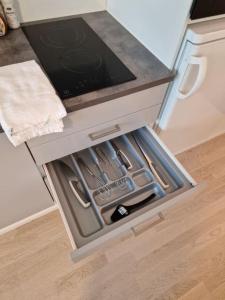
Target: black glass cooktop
{"points": [[74, 57]]}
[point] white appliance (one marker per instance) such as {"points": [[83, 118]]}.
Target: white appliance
{"points": [[194, 110]]}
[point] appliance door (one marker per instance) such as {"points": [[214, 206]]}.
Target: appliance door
{"points": [[195, 108], [207, 8], [90, 226]]}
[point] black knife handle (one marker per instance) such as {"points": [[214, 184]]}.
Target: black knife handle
{"points": [[133, 207]]}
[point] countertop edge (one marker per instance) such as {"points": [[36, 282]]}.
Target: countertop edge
{"points": [[120, 94]]}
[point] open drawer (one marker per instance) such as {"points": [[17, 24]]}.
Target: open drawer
{"points": [[111, 187]]}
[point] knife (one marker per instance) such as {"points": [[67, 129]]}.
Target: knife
{"points": [[151, 164], [122, 156], [123, 211], [75, 185]]}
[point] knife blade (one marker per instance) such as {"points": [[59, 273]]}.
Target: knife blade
{"points": [[150, 164]]}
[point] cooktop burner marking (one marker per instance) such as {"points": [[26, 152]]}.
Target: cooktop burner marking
{"points": [[75, 58], [56, 38], [78, 61]]}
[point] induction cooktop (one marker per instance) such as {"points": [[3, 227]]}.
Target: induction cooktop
{"points": [[75, 58]]}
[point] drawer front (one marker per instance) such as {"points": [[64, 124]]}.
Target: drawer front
{"points": [[74, 142], [90, 228], [105, 112]]}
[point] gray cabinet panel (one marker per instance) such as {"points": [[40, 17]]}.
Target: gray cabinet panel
{"points": [[22, 190]]}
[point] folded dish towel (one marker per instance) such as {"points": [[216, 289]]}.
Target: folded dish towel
{"points": [[29, 106]]}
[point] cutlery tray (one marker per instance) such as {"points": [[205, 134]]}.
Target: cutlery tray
{"points": [[113, 183]]}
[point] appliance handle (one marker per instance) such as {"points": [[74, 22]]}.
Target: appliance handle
{"points": [[202, 64]]}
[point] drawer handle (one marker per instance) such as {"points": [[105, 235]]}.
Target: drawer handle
{"points": [[102, 133], [142, 227]]}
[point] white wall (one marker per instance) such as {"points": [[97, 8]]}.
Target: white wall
{"points": [[31, 10], [158, 24]]}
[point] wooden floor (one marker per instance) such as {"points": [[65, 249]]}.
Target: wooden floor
{"points": [[181, 255]]}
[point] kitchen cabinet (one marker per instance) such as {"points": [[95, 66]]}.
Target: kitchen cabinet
{"points": [[108, 157], [22, 190], [99, 115], [90, 227]]}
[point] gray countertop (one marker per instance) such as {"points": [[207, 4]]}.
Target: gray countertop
{"points": [[15, 48]]}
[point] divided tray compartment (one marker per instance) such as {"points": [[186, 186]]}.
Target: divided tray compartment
{"points": [[88, 163], [87, 220], [142, 177], [123, 143], [118, 189], [164, 169], [129, 193], [109, 161], [137, 183], [139, 195]]}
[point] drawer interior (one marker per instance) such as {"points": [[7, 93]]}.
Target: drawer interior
{"points": [[114, 176]]}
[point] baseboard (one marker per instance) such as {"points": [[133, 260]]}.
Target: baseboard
{"points": [[27, 220], [198, 143]]}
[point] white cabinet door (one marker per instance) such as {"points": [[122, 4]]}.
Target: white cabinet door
{"points": [[22, 190]]}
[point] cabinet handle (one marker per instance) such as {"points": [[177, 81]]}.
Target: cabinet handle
{"points": [[201, 62], [146, 225], [104, 132]]}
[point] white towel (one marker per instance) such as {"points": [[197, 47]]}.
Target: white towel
{"points": [[29, 106]]}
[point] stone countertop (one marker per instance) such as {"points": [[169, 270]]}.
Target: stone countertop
{"points": [[150, 72]]}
